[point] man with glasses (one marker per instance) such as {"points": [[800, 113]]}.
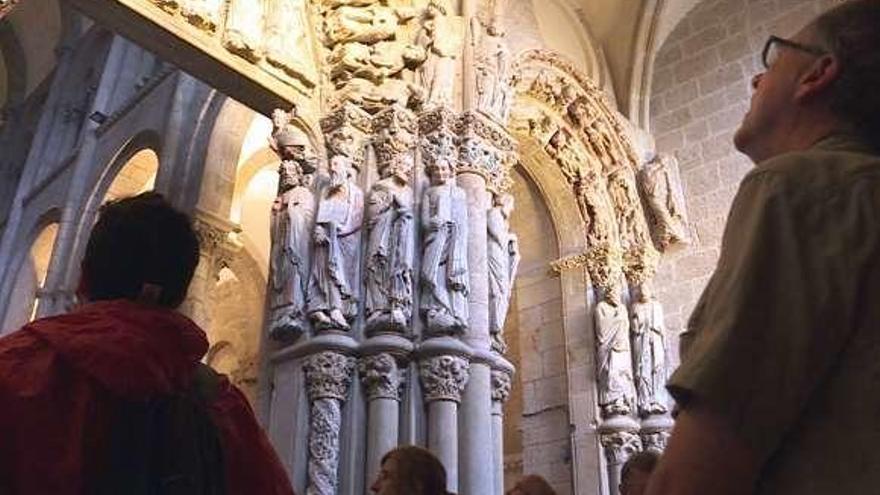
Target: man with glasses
{"points": [[779, 386]]}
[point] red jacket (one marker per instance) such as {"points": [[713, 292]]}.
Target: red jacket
{"points": [[58, 377]]}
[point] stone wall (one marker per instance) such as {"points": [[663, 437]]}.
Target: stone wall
{"points": [[700, 92], [537, 414]]}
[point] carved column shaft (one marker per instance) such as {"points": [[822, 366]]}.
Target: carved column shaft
{"points": [[328, 377], [618, 446], [500, 394], [443, 379], [381, 378]]}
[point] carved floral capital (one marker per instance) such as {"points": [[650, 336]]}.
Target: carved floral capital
{"points": [[381, 377], [444, 377], [328, 375]]}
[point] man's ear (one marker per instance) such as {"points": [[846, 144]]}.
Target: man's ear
{"points": [[818, 78]]}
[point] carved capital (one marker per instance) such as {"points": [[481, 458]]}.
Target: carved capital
{"points": [[394, 136], [655, 441], [619, 446], [328, 375], [444, 377], [345, 130], [501, 384], [381, 377]]}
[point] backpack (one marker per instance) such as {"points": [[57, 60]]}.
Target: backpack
{"points": [[165, 445]]}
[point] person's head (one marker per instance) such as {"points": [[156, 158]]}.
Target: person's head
{"points": [[531, 484], [140, 246], [636, 472], [410, 470], [822, 80]]}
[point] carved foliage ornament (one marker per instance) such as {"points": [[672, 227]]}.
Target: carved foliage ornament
{"points": [[501, 384], [328, 375], [619, 446], [444, 377], [381, 377]]}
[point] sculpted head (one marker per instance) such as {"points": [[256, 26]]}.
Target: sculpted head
{"points": [[441, 171], [341, 170]]}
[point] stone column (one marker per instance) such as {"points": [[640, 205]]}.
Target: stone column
{"points": [[328, 376], [619, 446], [382, 379], [444, 372], [500, 394], [482, 164]]}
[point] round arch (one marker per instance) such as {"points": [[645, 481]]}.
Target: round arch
{"points": [[33, 258], [558, 394]]}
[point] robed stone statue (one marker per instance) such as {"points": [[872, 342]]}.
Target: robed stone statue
{"points": [[444, 272], [333, 288]]}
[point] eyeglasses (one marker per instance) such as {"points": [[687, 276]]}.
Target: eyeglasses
{"points": [[771, 49]]}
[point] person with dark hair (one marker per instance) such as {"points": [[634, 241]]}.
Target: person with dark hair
{"points": [[531, 484], [777, 388], [112, 398], [410, 470], [636, 472]]}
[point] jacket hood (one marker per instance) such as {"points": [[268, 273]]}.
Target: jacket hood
{"points": [[131, 349]]}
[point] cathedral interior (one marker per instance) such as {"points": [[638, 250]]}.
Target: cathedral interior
{"points": [[473, 225]]}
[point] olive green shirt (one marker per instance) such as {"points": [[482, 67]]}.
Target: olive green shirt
{"points": [[785, 339]]}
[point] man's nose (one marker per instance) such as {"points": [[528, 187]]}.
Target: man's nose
{"points": [[756, 80]]}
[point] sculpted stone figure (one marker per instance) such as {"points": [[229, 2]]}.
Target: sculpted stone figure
{"points": [[660, 192], [649, 352], [286, 45], [244, 28], [503, 260], [388, 280], [333, 288], [442, 36], [444, 273], [292, 215], [613, 357]]}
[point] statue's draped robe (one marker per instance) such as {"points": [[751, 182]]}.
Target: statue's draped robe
{"points": [[335, 264], [291, 238], [649, 350], [444, 264], [614, 361], [389, 251]]}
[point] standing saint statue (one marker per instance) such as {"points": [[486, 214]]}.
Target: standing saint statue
{"points": [[666, 209], [388, 280], [333, 288], [293, 212], [442, 37], [444, 272], [503, 259], [614, 360], [649, 352]]}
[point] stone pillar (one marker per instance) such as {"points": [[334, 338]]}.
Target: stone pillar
{"points": [[619, 446], [328, 376], [382, 378], [481, 164], [444, 372], [500, 393]]}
